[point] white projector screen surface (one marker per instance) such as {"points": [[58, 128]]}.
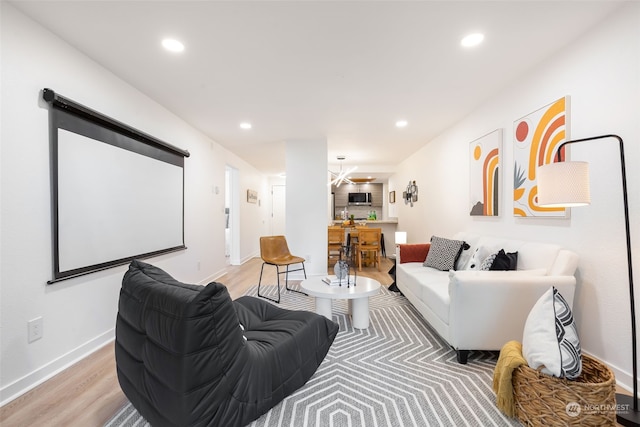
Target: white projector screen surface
{"points": [[114, 203], [117, 193]]}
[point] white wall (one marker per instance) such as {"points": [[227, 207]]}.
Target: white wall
{"points": [[601, 74], [254, 217], [79, 314], [307, 196]]}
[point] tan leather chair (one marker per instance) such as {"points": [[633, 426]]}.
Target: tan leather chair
{"points": [[275, 251], [335, 242], [369, 245]]}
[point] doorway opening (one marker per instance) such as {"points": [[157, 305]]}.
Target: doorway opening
{"points": [[232, 215]]}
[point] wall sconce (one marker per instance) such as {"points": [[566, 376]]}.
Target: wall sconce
{"points": [[411, 193]]}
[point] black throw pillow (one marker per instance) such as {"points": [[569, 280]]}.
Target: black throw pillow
{"points": [[505, 261]]}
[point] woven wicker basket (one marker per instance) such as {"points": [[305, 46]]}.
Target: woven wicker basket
{"points": [[543, 400]]}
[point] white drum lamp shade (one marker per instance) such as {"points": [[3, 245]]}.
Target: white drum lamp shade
{"points": [[401, 237], [567, 184], [563, 184]]}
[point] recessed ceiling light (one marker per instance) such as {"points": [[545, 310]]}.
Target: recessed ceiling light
{"points": [[172, 45], [245, 125], [472, 40], [401, 123]]}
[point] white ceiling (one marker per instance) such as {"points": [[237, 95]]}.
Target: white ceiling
{"points": [[340, 70]]}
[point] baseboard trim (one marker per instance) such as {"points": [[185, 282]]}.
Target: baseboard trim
{"points": [[248, 257], [217, 275], [30, 381], [624, 379], [212, 278]]}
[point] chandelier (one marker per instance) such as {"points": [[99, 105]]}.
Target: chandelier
{"points": [[340, 177]]}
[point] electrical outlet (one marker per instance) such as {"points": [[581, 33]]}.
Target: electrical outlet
{"points": [[198, 265], [308, 258], [34, 329]]}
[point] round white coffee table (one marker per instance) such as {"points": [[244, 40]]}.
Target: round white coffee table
{"points": [[358, 297]]}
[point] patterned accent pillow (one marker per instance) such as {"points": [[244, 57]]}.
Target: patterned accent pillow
{"points": [[443, 253], [488, 262], [465, 256], [476, 259], [550, 338]]}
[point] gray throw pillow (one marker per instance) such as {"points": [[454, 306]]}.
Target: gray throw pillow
{"points": [[443, 253]]}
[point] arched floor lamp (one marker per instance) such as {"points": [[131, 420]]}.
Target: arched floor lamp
{"points": [[566, 184]]}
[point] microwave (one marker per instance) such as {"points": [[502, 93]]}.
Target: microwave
{"points": [[363, 199]]}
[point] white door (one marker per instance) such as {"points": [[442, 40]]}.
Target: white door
{"points": [[278, 210]]}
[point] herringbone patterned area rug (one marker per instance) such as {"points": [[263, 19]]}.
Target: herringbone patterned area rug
{"points": [[399, 372]]}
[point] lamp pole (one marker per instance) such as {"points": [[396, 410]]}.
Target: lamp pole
{"points": [[632, 416]]}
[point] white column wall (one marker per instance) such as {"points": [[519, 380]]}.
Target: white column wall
{"points": [[307, 196]]}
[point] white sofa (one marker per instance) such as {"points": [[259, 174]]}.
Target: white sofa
{"points": [[482, 310]]}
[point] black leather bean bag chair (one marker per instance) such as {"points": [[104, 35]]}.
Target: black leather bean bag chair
{"points": [[188, 355]]}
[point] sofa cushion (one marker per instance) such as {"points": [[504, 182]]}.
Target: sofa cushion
{"points": [[443, 253], [531, 255], [416, 276], [429, 285], [550, 340], [536, 255], [496, 274], [437, 295], [505, 261], [565, 264]]}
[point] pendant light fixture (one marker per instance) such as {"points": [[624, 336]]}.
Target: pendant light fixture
{"points": [[340, 177]]}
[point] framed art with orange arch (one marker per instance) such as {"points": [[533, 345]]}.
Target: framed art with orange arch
{"points": [[484, 174], [536, 138]]}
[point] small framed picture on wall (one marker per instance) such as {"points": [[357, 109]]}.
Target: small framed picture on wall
{"points": [[252, 196]]}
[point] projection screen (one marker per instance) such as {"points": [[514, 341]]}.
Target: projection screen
{"points": [[118, 194]]}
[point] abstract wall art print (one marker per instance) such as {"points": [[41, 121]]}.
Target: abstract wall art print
{"points": [[484, 174], [536, 138]]}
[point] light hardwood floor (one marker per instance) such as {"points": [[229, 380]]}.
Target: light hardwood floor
{"points": [[88, 394]]}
